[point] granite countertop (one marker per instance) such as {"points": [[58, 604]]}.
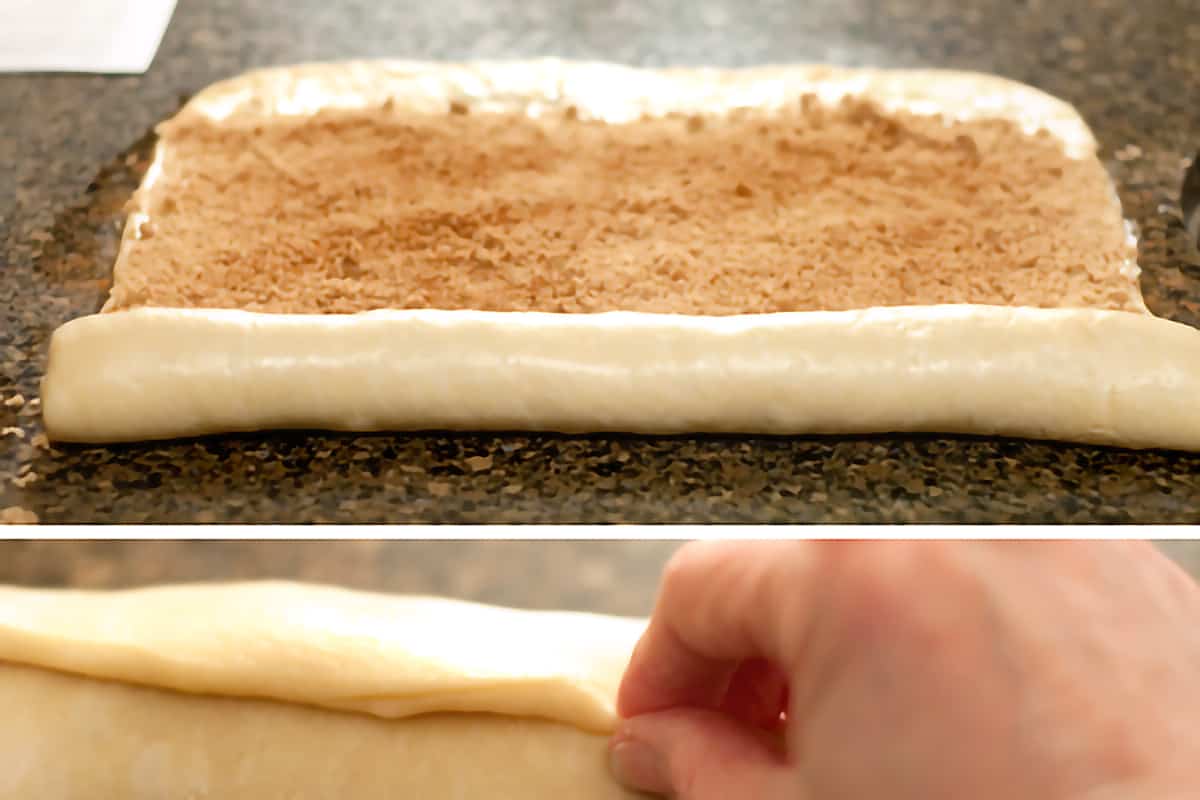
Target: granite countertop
{"points": [[70, 148]]}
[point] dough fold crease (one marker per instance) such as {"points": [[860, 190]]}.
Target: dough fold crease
{"points": [[276, 689]]}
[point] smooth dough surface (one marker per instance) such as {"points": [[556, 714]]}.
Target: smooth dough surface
{"points": [[1070, 374], [1106, 377], [387, 655], [69, 738], [290, 690]]}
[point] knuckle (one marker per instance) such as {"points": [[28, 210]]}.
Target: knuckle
{"points": [[691, 777], [885, 583], [695, 563]]}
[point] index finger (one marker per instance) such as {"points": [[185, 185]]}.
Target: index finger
{"points": [[720, 603]]}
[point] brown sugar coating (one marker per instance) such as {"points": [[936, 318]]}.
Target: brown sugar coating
{"points": [[806, 208]]}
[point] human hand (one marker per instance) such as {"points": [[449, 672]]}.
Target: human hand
{"points": [[916, 671]]}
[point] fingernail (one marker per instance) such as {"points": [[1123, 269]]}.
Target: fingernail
{"points": [[638, 766]]}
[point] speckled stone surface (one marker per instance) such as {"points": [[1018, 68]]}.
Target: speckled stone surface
{"points": [[69, 150]]}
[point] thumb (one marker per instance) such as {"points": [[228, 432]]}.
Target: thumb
{"points": [[692, 754]]}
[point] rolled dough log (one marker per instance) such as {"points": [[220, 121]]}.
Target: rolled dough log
{"points": [[286, 690], [1083, 375], [1107, 377]]}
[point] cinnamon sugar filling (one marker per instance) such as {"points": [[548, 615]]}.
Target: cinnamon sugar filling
{"points": [[803, 209]]}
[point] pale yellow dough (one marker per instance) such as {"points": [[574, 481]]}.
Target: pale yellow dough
{"points": [[1084, 375], [230, 691]]}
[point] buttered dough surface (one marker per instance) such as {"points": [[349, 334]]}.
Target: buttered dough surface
{"points": [[289, 690]]}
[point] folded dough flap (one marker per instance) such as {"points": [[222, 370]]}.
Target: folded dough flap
{"points": [[384, 655]]}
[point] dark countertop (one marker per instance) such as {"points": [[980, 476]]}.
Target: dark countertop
{"points": [[69, 144]]}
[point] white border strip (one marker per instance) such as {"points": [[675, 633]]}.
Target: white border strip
{"points": [[596, 532]]}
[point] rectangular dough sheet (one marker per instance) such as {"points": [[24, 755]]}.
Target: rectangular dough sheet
{"points": [[232, 691], [586, 247]]}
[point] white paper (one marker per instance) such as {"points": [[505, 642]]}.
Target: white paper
{"points": [[105, 36]]}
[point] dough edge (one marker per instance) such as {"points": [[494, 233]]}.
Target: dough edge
{"points": [[618, 93], [237, 691], [66, 737], [384, 655], [87, 394]]}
